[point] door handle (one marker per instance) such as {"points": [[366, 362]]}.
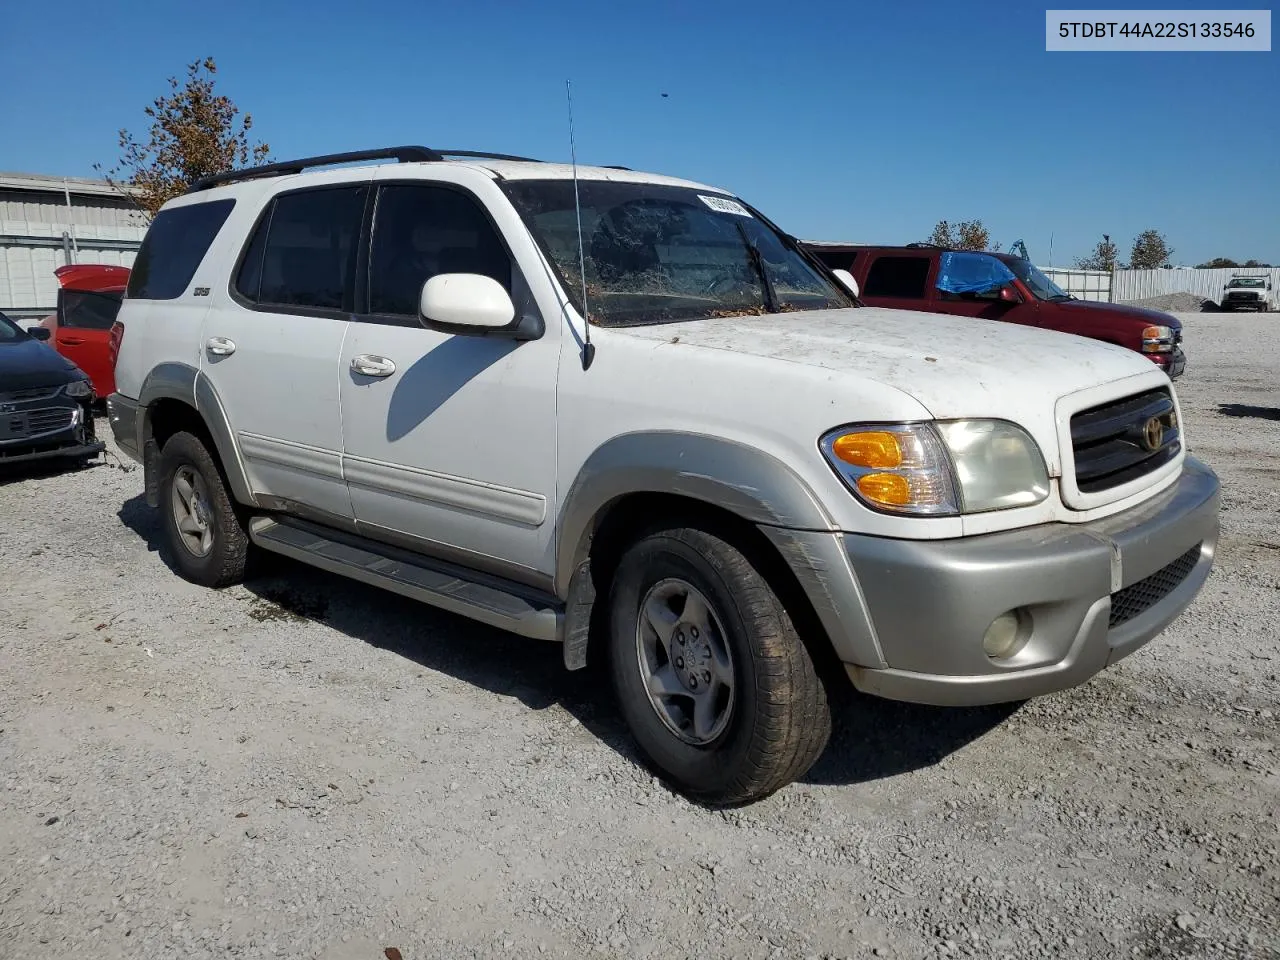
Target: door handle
{"points": [[370, 366], [71, 341], [220, 346]]}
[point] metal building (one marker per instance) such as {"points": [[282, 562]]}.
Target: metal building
{"points": [[46, 222]]}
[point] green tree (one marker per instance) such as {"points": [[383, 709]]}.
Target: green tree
{"points": [[1217, 263], [1103, 257], [194, 133], [1150, 251]]}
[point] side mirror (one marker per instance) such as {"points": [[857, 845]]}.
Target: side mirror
{"points": [[845, 277], [1009, 294], [40, 333], [465, 303]]}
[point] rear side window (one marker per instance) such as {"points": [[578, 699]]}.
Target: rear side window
{"points": [[174, 245], [420, 231], [88, 310], [303, 252], [902, 277], [835, 261]]}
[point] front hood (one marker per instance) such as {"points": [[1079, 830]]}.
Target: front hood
{"points": [[954, 366], [1156, 317], [25, 364]]}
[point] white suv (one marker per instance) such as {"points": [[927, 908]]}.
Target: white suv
{"points": [[735, 478]]}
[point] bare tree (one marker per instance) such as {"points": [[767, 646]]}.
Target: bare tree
{"points": [[194, 133], [1150, 251], [965, 235], [1103, 257]]}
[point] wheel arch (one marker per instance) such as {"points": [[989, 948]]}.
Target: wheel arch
{"points": [[178, 396]]}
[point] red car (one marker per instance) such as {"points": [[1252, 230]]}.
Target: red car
{"points": [[89, 298], [999, 286]]}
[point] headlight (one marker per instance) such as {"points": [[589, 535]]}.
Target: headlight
{"points": [[939, 469], [79, 389], [1157, 339]]}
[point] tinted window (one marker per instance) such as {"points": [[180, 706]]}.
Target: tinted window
{"points": [[88, 310], [174, 245], [249, 279], [310, 251], [836, 261], [420, 231], [897, 277]]}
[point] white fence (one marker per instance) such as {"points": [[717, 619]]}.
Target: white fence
{"points": [[1084, 284], [1206, 284]]}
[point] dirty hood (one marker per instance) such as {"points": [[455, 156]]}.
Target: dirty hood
{"points": [[954, 366]]}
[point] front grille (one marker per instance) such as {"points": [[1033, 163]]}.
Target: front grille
{"points": [[1146, 593], [1119, 441], [28, 424], [1244, 296]]}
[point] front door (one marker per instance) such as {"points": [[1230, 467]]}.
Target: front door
{"points": [[972, 284], [449, 441], [272, 346]]}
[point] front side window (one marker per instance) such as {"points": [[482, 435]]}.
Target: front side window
{"points": [[176, 242], [420, 231], [303, 252], [900, 277], [10, 332], [88, 310], [656, 254], [971, 276]]}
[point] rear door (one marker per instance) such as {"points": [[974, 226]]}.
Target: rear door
{"points": [[898, 280], [272, 342], [82, 332]]}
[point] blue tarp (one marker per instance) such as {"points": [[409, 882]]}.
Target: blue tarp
{"points": [[971, 273]]}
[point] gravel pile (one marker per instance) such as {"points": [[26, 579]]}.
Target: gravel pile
{"points": [[1169, 302], [304, 767]]}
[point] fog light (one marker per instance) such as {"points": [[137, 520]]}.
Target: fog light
{"points": [[1006, 636]]}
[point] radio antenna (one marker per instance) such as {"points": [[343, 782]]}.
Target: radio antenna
{"points": [[588, 348]]}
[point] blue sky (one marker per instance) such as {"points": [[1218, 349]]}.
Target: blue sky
{"points": [[842, 121]]}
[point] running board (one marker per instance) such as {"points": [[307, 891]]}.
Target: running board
{"points": [[449, 587]]}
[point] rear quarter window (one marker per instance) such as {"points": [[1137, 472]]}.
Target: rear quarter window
{"points": [[174, 245]]}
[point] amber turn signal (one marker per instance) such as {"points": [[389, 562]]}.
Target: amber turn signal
{"points": [[877, 449], [891, 489]]}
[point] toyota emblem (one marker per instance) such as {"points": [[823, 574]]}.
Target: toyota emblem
{"points": [[1153, 434]]}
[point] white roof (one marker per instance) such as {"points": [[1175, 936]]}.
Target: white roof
{"points": [[534, 170]]}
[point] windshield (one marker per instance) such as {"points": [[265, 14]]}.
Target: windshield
{"points": [[658, 254], [10, 331], [1246, 282], [1037, 282]]}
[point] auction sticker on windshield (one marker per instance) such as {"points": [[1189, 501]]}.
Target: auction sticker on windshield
{"points": [[724, 205]]}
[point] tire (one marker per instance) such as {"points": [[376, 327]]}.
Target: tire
{"points": [[773, 722], [213, 550]]}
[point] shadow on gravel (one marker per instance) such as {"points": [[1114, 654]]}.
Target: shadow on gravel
{"points": [[44, 469], [872, 738], [1246, 410], [875, 738]]}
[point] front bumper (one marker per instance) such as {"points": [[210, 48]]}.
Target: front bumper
{"points": [[1092, 594], [47, 428], [1172, 364]]}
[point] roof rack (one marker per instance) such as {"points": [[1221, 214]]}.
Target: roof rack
{"points": [[408, 154], [405, 154]]}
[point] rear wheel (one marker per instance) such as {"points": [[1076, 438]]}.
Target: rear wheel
{"points": [[206, 539], [713, 680]]}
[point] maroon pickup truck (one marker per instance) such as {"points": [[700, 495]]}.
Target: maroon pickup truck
{"points": [[999, 286]]}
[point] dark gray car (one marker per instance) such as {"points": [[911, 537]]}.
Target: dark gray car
{"points": [[44, 400]]}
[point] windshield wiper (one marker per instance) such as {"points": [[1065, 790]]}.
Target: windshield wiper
{"points": [[757, 261]]}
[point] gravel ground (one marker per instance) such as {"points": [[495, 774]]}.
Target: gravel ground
{"points": [[306, 767], [1169, 302]]}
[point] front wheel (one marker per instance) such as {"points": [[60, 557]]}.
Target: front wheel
{"points": [[715, 684]]}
